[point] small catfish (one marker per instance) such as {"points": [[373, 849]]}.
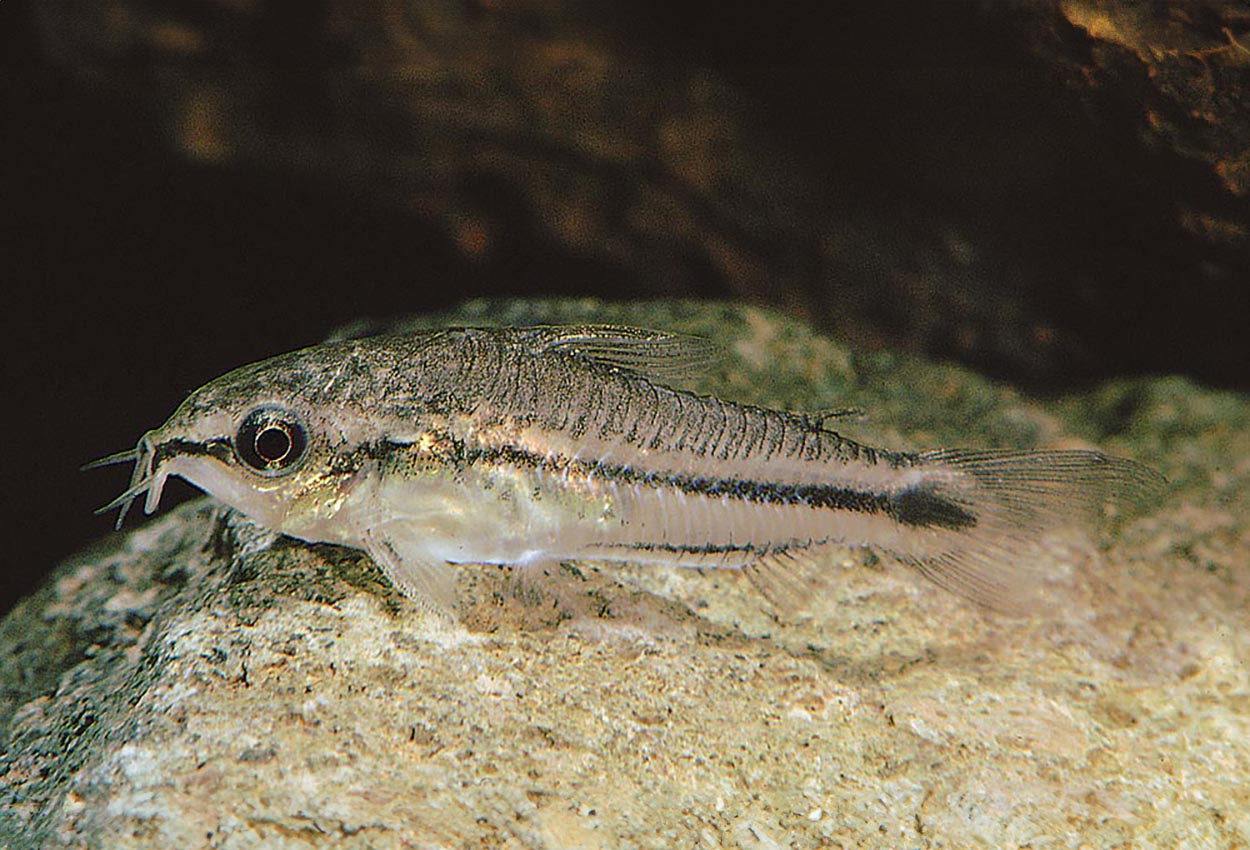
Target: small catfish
{"points": [[531, 446]]}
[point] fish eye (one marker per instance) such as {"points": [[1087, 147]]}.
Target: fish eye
{"points": [[271, 440]]}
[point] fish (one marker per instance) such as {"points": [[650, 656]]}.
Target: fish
{"points": [[534, 446]]}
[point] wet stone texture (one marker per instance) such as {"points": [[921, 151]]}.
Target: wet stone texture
{"points": [[196, 683]]}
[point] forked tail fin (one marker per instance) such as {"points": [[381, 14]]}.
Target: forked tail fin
{"points": [[975, 520]]}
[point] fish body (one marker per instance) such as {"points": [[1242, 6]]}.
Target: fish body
{"points": [[527, 446]]}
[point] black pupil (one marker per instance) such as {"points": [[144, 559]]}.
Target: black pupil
{"points": [[270, 440], [273, 443]]}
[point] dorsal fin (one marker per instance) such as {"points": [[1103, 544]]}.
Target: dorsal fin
{"points": [[652, 354]]}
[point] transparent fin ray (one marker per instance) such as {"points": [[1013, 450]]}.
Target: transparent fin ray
{"points": [[650, 353], [431, 583], [792, 578], [1041, 489], [1018, 506], [1020, 501]]}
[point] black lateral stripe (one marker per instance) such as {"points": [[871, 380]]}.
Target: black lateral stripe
{"points": [[718, 548], [218, 448], [684, 549], [920, 507], [917, 507]]}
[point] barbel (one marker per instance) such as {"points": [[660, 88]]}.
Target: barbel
{"points": [[527, 446]]}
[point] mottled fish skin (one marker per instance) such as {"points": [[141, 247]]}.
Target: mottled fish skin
{"points": [[533, 445]]}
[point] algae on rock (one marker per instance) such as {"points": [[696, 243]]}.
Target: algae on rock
{"points": [[196, 682]]}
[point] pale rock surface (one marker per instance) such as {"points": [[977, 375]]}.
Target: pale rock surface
{"points": [[195, 683]]}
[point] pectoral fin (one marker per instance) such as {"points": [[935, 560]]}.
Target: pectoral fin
{"points": [[426, 580]]}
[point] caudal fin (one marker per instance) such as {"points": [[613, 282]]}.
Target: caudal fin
{"points": [[976, 522]]}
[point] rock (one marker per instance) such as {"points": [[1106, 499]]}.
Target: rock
{"points": [[999, 182], [196, 682]]}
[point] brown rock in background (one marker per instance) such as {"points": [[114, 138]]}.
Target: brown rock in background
{"points": [[1177, 76], [1053, 192], [923, 173]]}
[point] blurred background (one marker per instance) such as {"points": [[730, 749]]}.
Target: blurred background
{"points": [[1054, 192]]}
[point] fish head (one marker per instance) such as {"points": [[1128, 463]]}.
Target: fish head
{"points": [[283, 441]]}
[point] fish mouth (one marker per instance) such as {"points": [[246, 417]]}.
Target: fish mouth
{"points": [[148, 476]]}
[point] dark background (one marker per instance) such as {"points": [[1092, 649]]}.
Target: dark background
{"points": [[975, 196]]}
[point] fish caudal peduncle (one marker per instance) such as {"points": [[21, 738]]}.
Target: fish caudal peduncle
{"points": [[535, 445]]}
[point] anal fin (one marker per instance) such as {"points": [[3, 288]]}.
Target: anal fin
{"points": [[794, 577]]}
